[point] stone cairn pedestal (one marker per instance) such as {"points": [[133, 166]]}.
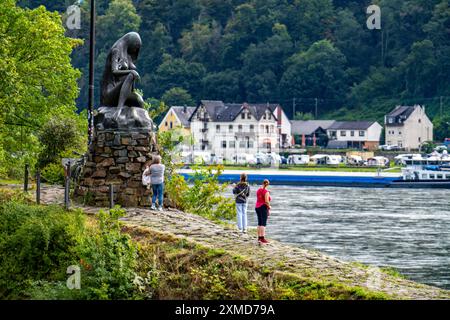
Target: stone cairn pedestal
{"points": [[118, 158]]}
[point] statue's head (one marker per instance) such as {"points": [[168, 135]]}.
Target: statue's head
{"points": [[133, 43]]}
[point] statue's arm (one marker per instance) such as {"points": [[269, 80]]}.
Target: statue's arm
{"points": [[115, 66]]}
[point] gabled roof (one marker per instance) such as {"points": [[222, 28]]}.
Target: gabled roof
{"points": [[183, 114], [310, 126], [351, 125], [218, 111], [404, 111]]}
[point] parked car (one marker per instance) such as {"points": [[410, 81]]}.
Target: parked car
{"points": [[386, 147]]}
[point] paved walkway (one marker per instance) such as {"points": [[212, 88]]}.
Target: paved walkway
{"points": [[305, 263]]}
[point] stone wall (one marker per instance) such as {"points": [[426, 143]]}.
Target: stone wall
{"points": [[117, 158]]}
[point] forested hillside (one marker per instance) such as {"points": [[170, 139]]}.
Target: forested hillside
{"points": [[300, 53]]}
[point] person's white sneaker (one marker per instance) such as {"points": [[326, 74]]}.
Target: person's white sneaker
{"points": [[160, 209], [244, 231], [153, 207]]}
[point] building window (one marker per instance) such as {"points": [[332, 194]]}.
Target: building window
{"points": [[218, 128], [224, 144], [272, 129], [362, 133], [400, 144], [232, 144], [399, 133], [242, 144], [431, 176], [391, 120], [439, 176], [420, 140], [250, 143], [352, 133], [171, 124], [230, 128], [166, 124], [424, 176], [264, 116], [269, 116], [343, 133], [420, 120], [267, 129], [333, 134], [248, 115], [240, 128], [252, 128], [242, 115]]}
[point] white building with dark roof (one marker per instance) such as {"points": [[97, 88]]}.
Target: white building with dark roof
{"points": [[408, 127], [227, 130], [354, 134]]}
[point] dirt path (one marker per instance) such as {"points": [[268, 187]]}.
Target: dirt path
{"points": [[299, 261]]}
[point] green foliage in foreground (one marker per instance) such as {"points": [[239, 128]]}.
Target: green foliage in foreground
{"points": [[202, 194], [39, 243], [171, 268]]}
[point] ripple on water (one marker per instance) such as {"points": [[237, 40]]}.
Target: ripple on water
{"points": [[401, 228]]}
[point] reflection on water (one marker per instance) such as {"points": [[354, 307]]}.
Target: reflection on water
{"points": [[405, 229]]}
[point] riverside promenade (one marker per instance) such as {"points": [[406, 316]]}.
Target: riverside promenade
{"points": [[295, 261]]}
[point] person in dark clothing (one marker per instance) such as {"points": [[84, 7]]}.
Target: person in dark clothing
{"points": [[242, 192]]}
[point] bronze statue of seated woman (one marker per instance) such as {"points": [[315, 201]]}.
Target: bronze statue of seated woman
{"points": [[118, 98]]}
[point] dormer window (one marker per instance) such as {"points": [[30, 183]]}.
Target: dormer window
{"points": [[242, 115], [249, 116]]}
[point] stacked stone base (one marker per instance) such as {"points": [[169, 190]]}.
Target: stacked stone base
{"points": [[118, 159]]}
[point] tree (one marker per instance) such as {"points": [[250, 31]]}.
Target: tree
{"points": [[223, 85], [177, 97], [318, 72], [36, 77], [441, 128], [303, 116], [201, 44]]}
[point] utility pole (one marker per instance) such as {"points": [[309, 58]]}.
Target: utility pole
{"points": [[293, 109], [316, 100], [91, 73]]}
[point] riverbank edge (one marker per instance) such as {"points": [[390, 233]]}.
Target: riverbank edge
{"points": [[277, 258], [313, 284]]}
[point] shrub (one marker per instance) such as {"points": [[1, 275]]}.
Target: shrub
{"points": [[108, 259], [53, 173], [35, 243]]}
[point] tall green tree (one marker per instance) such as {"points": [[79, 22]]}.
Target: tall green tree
{"points": [[36, 77], [318, 72]]}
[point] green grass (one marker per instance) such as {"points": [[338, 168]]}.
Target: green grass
{"points": [[193, 271], [10, 181]]}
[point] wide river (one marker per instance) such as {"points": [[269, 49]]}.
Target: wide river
{"points": [[405, 229]]}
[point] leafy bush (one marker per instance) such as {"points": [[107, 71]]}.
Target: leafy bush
{"points": [[39, 243], [35, 243], [202, 193], [53, 173], [108, 259]]}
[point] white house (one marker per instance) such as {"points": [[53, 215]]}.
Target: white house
{"points": [[354, 134], [408, 127], [228, 130]]}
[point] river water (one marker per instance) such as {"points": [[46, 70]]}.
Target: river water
{"points": [[405, 229]]}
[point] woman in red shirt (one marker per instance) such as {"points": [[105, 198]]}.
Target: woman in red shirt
{"points": [[263, 210]]}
